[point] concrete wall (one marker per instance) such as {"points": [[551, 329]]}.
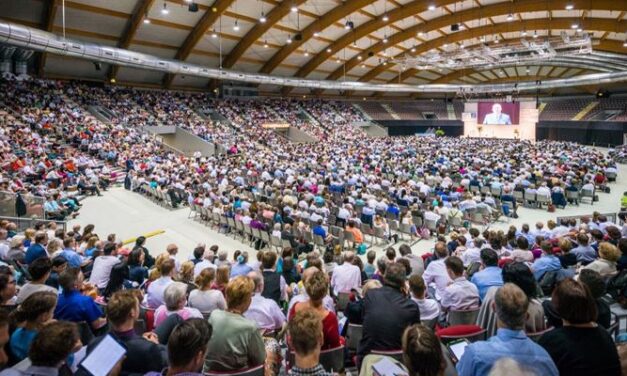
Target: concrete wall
{"points": [[296, 135], [183, 141]]}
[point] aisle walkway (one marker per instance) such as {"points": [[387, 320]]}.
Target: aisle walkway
{"points": [[129, 214]]}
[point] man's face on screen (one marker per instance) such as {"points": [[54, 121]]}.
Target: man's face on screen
{"points": [[496, 109]]}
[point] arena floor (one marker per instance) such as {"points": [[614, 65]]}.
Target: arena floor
{"points": [[129, 215]]}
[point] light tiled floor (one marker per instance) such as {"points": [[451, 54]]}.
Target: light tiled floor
{"points": [[129, 215]]}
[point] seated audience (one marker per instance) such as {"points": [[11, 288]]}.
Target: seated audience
{"points": [[263, 311], [580, 346], [39, 271], [175, 301], [460, 294], [73, 305], [204, 298], [490, 274], [236, 342], [31, 315], [429, 308]]}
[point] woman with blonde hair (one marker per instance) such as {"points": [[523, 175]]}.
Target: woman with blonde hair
{"points": [[235, 343], [29, 237], [222, 278], [204, 298], [54, 246], [154, 272], [317, 287], [186, 275], [606, 263]]}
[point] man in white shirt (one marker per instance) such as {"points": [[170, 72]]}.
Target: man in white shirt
{"points": [[4, 244], [265, 312], [435, 276], [207, 262], [101, 271], [473, 254], [429, 308], [461, 294], [154, 294], [346, 276]]}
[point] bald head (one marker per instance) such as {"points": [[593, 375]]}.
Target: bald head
{"points": [[257, 279], [349, 257]]}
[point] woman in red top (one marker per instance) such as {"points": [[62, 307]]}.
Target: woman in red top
{"points": [[317, 287]]}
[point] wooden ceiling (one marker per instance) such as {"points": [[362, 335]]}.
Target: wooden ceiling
{"points": [[230, 34]]}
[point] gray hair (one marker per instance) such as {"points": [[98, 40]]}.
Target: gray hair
{"points": [[173, 295], [257, 279], [222, 255]]}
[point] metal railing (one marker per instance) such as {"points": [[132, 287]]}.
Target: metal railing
{"points": [[34, 205], [23, 222]]}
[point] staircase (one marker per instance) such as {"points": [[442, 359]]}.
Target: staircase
{"points": [[586, 110], [451, 111], [308, 117], [541, 108], [391, 111], [362, 112]]}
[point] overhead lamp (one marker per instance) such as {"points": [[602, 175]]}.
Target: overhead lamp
{"points": [[265, 44], [306, 53], [294, 9], [349, 25], [574, 26], [386, 18], [359, 57], [579, 29], [235, 26], [363, 65], [413, 50], [328, 50], [263, 18], [385, 39], [445, 45], [535, 34], [510, 17], [461, 45], [482, 38], [214, 34], [431, 7], [289, 40], [165, 10], [146, 20], [528, 70], [625, 43], [188, 1], [421, 33], [496, 39], [338, 61], [524, 33], [316, 34], [385, 63], [570, 6]]}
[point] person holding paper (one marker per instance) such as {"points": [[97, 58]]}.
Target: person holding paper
{"points": [[123, 312]]}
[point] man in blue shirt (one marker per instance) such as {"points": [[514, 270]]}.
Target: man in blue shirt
{"points": [[584, 252], [38, 249], [491, 275], [73, 259], [74, 306], [510, 340], [547, 263]]}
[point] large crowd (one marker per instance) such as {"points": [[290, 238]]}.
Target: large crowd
{"points": [[532, 299]]}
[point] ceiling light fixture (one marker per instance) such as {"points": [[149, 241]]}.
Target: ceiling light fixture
{"points": [[535, 34], [165, 10], [214, 34], [294, 9], [265, 44], [574, 26], [510, 17], [524, 33], [386, 18], [431, 7], [338, 61], [263, 18], [421, 33], [385, 39], [146, 20], [413, 50], [316, 34], [328, 50], [363, 65], [349, 25], [570, 6], [306, 53], [359, 57], [235, 26], [579, 30], [289, 40]]}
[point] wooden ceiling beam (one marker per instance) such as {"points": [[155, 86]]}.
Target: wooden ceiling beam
{"points": [[50, 12], [533, 24], [210, 16], [437, 23], [319, 25], [141, 10]]}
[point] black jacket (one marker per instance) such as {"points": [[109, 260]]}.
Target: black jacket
{"points": [[142, 356], [387, 312]]}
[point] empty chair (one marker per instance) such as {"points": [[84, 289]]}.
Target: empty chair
{"points": [[463, 317], [573, 196], [353, 336], [589, 194]]}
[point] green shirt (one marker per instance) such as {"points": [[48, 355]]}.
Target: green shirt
{"points": [[235, 344]]}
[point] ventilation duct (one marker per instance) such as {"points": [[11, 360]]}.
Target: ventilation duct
{"points": [[39, 40], [6, 54]]}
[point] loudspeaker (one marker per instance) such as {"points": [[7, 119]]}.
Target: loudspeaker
{"points": [[603, 93], [455, 27], [298, 36], [193, 7]]}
